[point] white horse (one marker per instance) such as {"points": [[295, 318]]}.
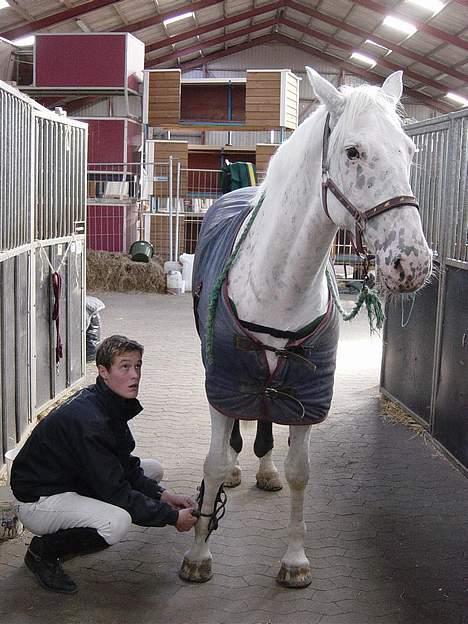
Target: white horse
{"points": [[353, 146]]}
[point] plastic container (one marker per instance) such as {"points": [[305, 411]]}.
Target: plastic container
{"points": [[10, 524], [187, 269], [141, 251], [9, 457], [175, 283]]}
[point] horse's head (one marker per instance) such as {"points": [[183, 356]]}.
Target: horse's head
{"points": [[368, 164]]}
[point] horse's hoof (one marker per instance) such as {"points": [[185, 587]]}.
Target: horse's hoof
{"points": [[293, 576], [234, 478], [269, 482], [196, 571]]}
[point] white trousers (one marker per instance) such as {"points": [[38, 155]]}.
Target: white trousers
{"points": [[69, 510]]}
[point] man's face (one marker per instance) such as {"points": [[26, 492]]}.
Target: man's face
{"points": [[123, 377]]}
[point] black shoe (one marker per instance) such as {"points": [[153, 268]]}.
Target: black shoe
{"points": [[49, 573]]}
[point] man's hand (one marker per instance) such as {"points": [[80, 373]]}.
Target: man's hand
{"points": [[186, 520], [178, 501]]}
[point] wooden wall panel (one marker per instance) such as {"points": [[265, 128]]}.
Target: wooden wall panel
{"points": [[264, 151], [179, 152], [263, 99], [164, 93], [159, 235]]}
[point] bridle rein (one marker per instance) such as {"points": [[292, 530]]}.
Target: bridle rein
{"points": [[360, 217]]}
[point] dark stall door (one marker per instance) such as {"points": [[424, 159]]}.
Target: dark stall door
{"points": [[451, 411]]}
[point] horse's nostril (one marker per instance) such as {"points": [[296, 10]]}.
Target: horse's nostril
{"points": [[397, 264]]}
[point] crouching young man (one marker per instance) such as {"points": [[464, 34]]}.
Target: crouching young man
{"points": [[77, 483]]}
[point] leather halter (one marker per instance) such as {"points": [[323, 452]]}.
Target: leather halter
{"points": [[360, 217]]}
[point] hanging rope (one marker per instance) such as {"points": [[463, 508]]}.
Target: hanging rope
{"points": [[367, 296], [57, 288], [403, 322], [214, 295], [56, 280]]}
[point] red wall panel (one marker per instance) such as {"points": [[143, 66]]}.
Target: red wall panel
{"points": [[80, 60]]}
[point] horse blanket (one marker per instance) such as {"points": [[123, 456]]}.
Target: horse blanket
{"points": [[237, 377]]}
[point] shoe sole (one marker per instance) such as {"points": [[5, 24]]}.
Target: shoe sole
{"points": [[44, 586]]}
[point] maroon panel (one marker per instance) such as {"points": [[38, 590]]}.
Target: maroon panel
{"points": [[105, 228], [194, 99], [134, 136], [80, 60], [213, 159], [105, 140]]}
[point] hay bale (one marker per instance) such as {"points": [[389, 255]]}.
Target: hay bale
{"points": [[117, 272]]}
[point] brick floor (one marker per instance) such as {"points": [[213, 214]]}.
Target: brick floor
{"points": [[386, 513]]}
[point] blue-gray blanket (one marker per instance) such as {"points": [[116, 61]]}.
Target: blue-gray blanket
{"points": [[238, 379]]}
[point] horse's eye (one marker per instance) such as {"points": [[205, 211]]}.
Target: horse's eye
{"points": [[352, 153]]}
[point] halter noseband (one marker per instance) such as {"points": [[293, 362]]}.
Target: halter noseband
{"points": [[359, 217]]}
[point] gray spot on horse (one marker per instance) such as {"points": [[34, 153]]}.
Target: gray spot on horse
{"points": [[370, 182]]}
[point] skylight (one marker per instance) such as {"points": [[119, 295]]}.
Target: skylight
{"points": [[362, 58], [433, 6], [25, 41], [398, 24], [178, 18], [458, 99], [380, 47], [4, 4]]}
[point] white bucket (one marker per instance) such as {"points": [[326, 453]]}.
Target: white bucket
{"points": [[9, 457], [10, 524], [175, 283]]}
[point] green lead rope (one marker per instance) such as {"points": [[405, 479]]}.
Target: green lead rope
{"points": [[368, 297]]}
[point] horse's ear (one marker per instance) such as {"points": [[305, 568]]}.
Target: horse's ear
{"points": [[326, 92], [393, 85]]}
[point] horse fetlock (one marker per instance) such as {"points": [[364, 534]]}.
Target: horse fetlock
{"points": [[233, 478], [269, 481], [196, 571], [294, 576]]}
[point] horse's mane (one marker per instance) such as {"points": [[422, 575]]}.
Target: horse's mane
{"points": [[291, 154]]}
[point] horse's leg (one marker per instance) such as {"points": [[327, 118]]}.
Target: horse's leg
{"points": [[295, 567], [267, 475], [196, 566], [233, 478]]}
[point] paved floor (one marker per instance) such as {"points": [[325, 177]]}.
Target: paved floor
{"points": [[386, 514]]}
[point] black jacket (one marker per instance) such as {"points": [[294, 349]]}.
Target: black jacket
{"points": [[85, 446]]}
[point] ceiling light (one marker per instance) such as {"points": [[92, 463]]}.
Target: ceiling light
{"points": [[4, 4], [25, 41], [398, 24], [434, 6], [458, 99], [178, 18], [362, 58]]}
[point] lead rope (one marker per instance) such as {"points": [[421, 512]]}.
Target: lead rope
{"points": [[368, 297]]}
